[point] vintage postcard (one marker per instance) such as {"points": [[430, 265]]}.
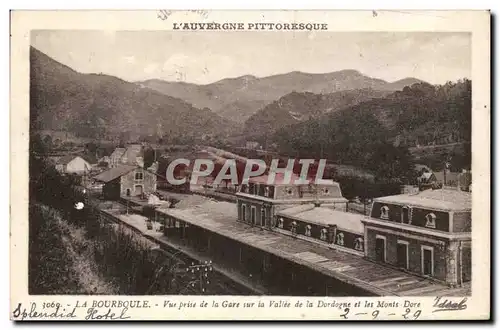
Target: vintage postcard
{"points": [[250, 165]]}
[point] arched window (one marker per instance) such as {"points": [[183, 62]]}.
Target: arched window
{"points": [[340, 239], [289, 191], [323, 234], [430, 220], [384, 212], [243, 212], [308, 230], [406, 214], [293, 227], [358, 244], [280, 223], [326, 191], [266, 191]]}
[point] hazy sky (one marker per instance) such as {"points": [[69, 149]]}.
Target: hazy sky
{"points": [[205, 57]]}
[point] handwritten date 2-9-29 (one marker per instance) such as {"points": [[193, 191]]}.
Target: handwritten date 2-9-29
{"points": [[408, 314]]}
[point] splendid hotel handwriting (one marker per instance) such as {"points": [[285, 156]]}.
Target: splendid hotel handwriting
{"points": [[50, 311], [46, 311], [446, 304]]}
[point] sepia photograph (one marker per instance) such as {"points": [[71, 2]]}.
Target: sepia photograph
{"points": [[250, 159]]}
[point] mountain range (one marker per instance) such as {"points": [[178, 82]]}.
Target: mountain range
{"points": [[237, 99], [100, 106]]}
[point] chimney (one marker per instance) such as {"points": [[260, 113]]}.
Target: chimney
{"points": [[153, 167], [139, 161]]}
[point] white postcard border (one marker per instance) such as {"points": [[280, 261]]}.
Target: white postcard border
{"points": [[464, 21]]}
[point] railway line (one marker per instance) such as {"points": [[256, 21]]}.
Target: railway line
{"points": [[219, 284]]}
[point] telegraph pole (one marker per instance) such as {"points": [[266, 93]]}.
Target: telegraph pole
{"points": [[444, 174], [446, 166]]}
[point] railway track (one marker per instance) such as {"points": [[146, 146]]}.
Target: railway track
{"points": [[219, 283]]}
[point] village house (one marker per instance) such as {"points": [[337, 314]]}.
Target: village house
{"points": [[127, 181], [427, 180], [421, 168], [115, 157], [73, 164], [258, 202], [427, 233], [132, 155], [461, 181]]}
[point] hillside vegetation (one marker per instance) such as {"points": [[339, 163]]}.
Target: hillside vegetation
{"points": [[380, 131], [296, 107]]}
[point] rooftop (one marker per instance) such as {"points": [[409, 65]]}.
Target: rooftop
{"points": [[279, 179], [118, 152], [326, 216], [419, 167], [426, 175], [66, 159], [220, 218], [438, 199], [114, 173]]}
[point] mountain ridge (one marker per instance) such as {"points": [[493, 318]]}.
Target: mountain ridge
{"points": [[97, 105], [238, 98], [297, 107]]}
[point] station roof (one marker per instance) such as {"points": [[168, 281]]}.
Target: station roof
{"points": [[279, 179], [438, 199], [326, 216], [221, 218]]}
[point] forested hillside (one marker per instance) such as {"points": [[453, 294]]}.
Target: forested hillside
{"points": [[101, 106], [376, 134], [297, 107]]}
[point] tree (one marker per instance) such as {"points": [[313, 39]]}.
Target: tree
{"points": [[149, 157], [389, 162], [47, 141], [148, 211], [91, 147]]}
